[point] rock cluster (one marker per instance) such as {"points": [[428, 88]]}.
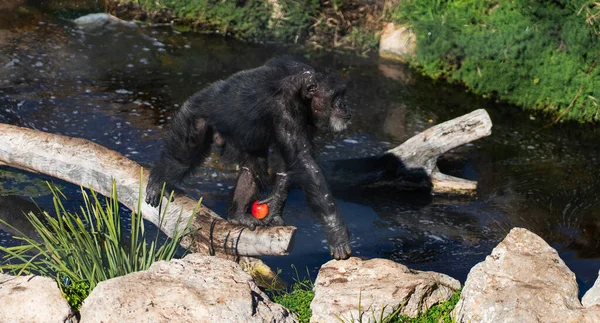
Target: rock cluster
{"points": [[522, 280]]}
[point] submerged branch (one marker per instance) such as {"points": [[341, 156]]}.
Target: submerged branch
{"points": [[413, 164]]}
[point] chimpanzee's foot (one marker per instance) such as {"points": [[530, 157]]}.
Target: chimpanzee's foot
{"points": [[340, 251], [154, 193], [246, 220], [339, 243]]}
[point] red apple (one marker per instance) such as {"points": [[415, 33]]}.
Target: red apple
{"points": [[259, 211]]}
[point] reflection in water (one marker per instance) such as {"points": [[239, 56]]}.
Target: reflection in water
{"points": [[120, 87], [12, 210]]}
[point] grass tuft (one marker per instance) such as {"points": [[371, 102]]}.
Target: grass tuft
{"points": [[297, 298], [79, 250]]}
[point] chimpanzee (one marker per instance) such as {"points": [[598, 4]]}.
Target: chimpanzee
{"points": [[275, 107]]}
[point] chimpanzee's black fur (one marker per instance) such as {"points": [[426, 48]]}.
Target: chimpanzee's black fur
{"points": [[279, 106]]}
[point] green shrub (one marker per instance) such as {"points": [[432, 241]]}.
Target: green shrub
{"points": [[75, 293], [534, 53], [250, 20], [79, 250], [297, 298], [298, 15]]}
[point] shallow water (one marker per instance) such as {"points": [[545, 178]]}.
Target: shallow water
{"points": [[118, 87]]}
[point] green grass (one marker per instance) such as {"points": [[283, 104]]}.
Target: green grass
{"points": [[79, 250], [297, 298], [537, 54], [436, 314]]}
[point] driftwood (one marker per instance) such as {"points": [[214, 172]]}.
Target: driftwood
{"points": [[90, 165], [413, 164]]}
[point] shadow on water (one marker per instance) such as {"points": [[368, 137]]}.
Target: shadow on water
{"points": [[119, 87]]}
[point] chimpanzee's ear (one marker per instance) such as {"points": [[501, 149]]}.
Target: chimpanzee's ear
{"points": [[309, 86]]}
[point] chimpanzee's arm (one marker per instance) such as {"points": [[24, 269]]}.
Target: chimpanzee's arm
{"points": [[186, 144], [321, 202], [296, 148]]}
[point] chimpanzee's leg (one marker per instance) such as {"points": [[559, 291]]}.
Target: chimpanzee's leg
{"points": [[186, 145], [251, 179]]}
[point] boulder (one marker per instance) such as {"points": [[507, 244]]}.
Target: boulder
{"points": [[378, 286], [523, 280], [32, 299], [397, 42], [197, 288], [592, 296]]}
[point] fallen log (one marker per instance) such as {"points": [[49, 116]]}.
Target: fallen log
{"points": [[410, 165], [413, 164], [85, 163]]}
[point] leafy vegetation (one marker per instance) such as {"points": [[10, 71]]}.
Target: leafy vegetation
{"points": [[79, 250], [251, 20], [322, 24], [537, 54], [436, 314], [297, 298], [75, 293]]}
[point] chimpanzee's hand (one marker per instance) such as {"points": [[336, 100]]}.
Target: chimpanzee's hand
{"points": [[153, 194], [275, 201], [339, 244]]}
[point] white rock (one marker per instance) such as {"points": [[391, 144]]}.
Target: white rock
{"points": [[95, 21], [378, 285], [523, 280], [197, 288], [592, 296], [397, 41], [32, 299]]}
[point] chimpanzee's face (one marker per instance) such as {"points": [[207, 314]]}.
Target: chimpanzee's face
{"points": [[329, 104], [340, 114]]}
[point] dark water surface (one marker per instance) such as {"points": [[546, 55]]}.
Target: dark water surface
{"points": [[119, 87]]}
